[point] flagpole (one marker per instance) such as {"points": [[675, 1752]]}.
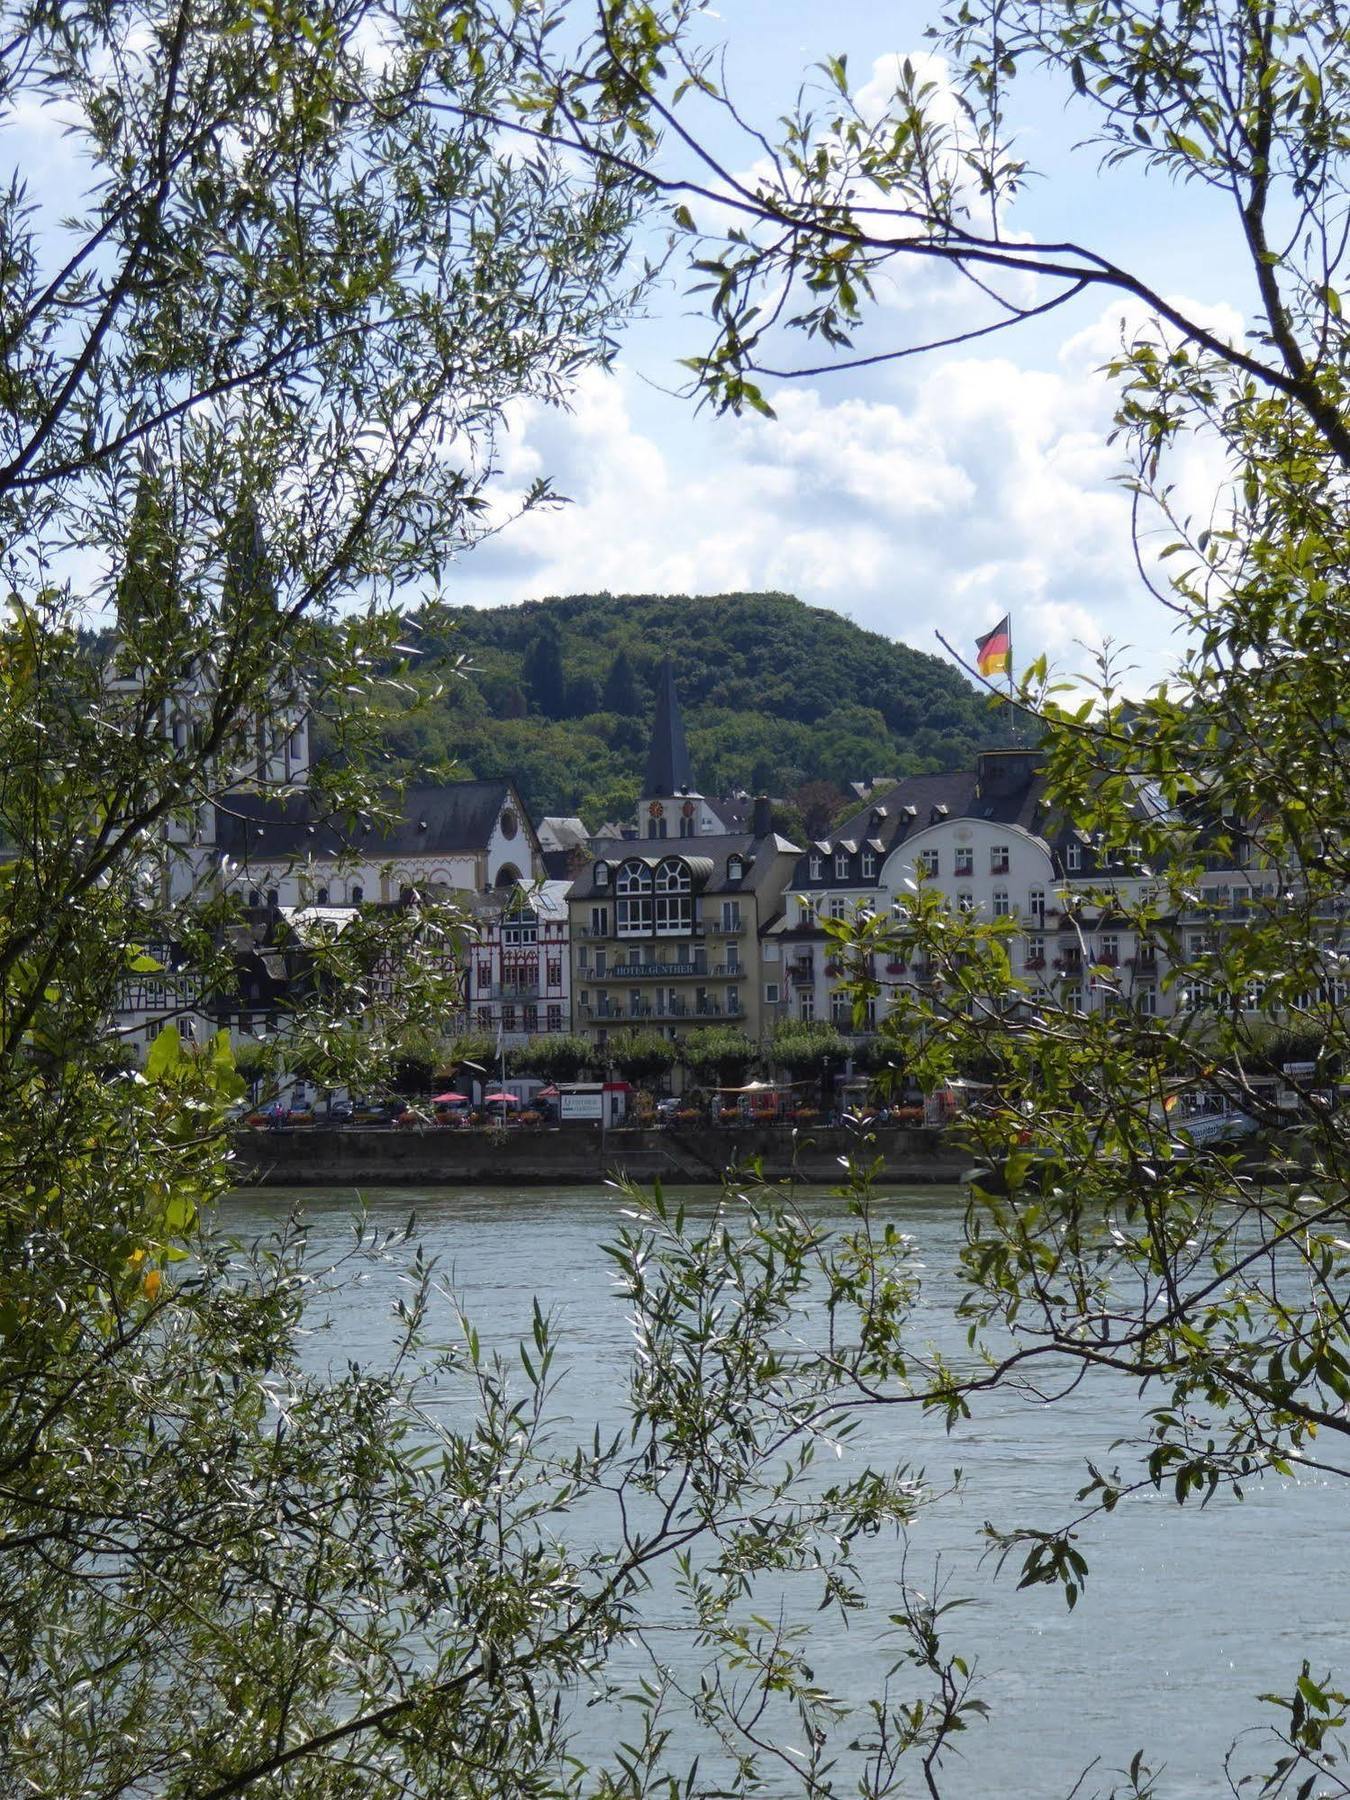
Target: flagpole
{"points": [[1012, 727]]}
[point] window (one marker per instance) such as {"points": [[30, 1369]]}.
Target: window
{"points": [[735, 868], [806, 1006], [633, 913], [602, 874], [674, 898], [1146, 1002], [484, 976], [806, 911], [928, 862], [531, 1018], [686, 827], [273, 897], [841, 865], [733, 1001], [1110, 950], [1002, 905], [731, 915], [254, 897], [555, 1018], [508, 1018], [1035, 952], [321, 897], [965, 901], [965, 861], [485, 1018], [554, 974], [841, 1008], [838, 907], [869, 865], [1073, 857], [817, 867], [1073, 999], [1193, 996], [1036, 905], [599, 921], [358, 894], [771, 993], [998, 859]]}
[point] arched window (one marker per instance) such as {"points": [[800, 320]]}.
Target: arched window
{"points": [[273, 897], [735, 868], [674, 898], [358, 894], [321, 897], [254, 897], [634, 908], [602, 874]]}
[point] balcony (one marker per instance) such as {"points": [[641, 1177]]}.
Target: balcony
{"points": [[506, 990], [648, 1011], [726, 927], [728, 971]]}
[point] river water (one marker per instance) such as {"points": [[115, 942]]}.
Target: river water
{"points": [[1187, 1617]]}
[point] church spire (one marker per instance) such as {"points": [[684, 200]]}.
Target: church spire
{"points": [[668, 770]]}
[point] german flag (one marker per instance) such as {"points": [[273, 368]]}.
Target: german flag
{"points": [[993, 651]]}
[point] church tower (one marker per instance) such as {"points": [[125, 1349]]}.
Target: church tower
{"points": [[671, 806]]}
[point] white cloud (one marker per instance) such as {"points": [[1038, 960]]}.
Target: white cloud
{"points": [[953, 492]]}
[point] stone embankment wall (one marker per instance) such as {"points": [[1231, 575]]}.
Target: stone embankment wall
{"points": [[578, 1156]]}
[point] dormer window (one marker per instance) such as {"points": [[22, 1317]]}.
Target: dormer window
{"points": [[817, 868], [735, 868], [1073, 858], [602, 874], [869, 865], [841, 865]]}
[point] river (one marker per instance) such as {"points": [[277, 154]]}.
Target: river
{"points": [[1187, 1616]]}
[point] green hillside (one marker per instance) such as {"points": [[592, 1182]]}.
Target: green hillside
{"points": [[776, 696]]}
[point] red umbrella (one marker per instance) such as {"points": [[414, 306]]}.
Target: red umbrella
{"points": [[547, 1093], [449, 1099], [502, 1099]]}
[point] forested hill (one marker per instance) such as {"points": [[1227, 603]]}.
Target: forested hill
{"points": [[776, 696]]}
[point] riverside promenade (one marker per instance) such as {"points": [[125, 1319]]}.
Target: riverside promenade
{"points": [[581, 1156]]}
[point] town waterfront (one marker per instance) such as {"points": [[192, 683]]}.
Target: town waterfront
{"points": [[1187, 1615]]}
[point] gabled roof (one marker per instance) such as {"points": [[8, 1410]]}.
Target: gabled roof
{"points": [[432, 821]]}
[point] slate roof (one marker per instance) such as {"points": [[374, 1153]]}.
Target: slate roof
{"points": [[707, 858], [668, 768], [434, 821]]}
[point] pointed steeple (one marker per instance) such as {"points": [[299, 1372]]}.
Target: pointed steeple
{"points": [[147, 590], [668, 770], [248, 570]]}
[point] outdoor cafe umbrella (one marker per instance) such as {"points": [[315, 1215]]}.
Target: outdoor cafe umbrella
{"points": [[502, 1099], [449, 1099]]}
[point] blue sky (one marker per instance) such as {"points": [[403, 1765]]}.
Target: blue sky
{"points": [[935, 493], [939, 492]]}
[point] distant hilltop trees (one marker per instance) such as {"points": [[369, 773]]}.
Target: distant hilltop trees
{"points": [[777, 696]]}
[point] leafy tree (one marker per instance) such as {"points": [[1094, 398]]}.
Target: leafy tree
{"points": [[621, 689], [640, 1056], [718, 1055], [801, 1046], [542, 670], [1103, 1235], [554, 1055], [819, 803]]}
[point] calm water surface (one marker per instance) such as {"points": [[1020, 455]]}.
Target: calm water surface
{"points": [[1187, 1616]]}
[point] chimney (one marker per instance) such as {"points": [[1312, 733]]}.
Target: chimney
{"points": [[761, 823]]}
